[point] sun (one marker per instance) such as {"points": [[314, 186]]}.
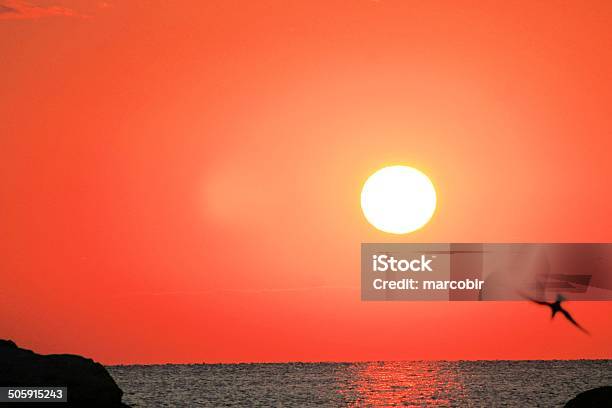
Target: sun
{"points": [[398, 199]]}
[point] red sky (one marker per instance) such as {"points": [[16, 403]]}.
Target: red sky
{"points": [[179, 181]]}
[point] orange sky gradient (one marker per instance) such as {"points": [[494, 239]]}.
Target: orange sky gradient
{"points": [[179, 181]]}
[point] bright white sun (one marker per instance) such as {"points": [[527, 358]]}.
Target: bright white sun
{"points": [[398, 199]]}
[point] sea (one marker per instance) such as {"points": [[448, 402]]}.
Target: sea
{"points": [[534, 383]]}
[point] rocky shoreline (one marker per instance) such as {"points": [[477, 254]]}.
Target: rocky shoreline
{"points": [[88, 383]]}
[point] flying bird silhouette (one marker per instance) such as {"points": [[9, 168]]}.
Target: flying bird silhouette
{"points": [[556, 307]]}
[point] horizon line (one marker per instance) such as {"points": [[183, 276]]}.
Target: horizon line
{"points": [[361, 361]]}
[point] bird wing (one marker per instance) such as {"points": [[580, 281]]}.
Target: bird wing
{"points": [[534, 300], [569, 317]]}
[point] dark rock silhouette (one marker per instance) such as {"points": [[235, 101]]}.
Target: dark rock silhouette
{"points": [[88, 382], [596, 398]]}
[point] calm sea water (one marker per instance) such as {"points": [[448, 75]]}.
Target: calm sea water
{"points": [[406, 383]]}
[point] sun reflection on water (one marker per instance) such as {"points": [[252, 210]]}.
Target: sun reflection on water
{"points": [[416, 384]]}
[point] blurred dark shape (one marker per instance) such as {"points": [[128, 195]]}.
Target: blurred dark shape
{"points": [[596, 398], [555, 307]]}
